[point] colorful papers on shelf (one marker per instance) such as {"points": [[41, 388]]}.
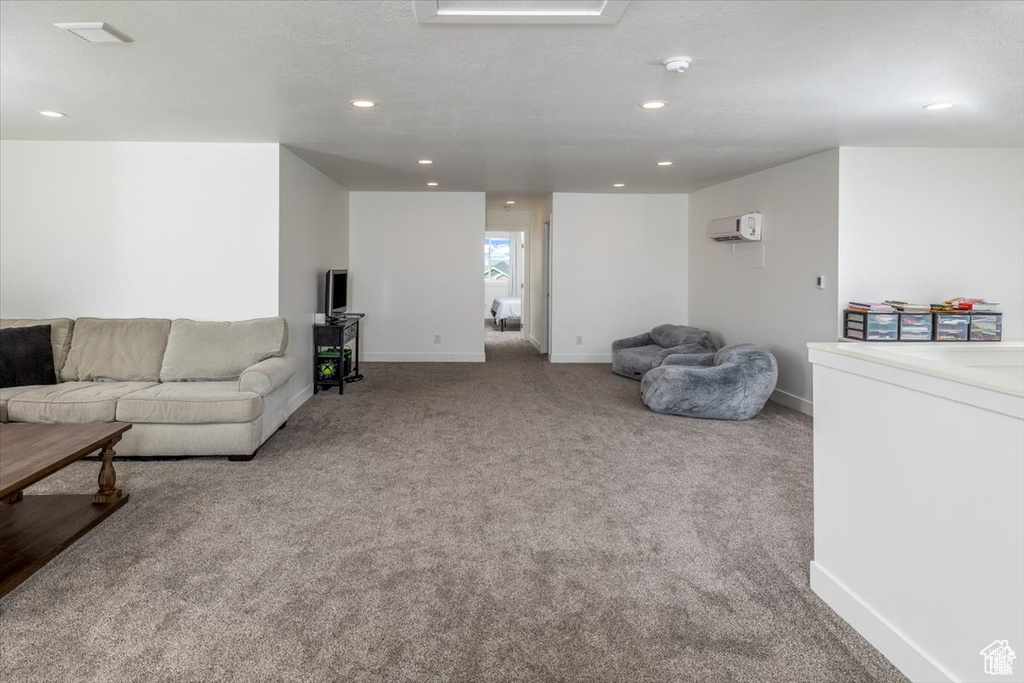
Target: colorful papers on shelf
{"points": [[871, 307]]}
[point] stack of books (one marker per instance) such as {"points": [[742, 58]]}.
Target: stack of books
{"points": [[904, 307], [870, 307], [963, 304], [986, 307]]}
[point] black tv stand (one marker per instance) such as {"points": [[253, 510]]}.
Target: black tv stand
{"points": [[344, 317], [330, 350]]}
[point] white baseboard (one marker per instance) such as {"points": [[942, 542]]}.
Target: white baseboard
{"points": [[905, 655], [435, 357], [792, 401], [581, 358], [536, 344], [300, 398]]}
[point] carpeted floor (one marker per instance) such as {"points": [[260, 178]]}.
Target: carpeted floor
{"points": [[507, 521]]}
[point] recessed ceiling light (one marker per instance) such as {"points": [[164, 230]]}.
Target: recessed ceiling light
{"points": [[426, 162], [664, 163], [938, 105], [364, 104], [510, 201], [653, 104], [618, 184], [53, 114], [431, 184]]}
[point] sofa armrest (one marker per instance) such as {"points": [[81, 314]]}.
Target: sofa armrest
{"points": [[267, 375], [630, 342], [690, 359]]}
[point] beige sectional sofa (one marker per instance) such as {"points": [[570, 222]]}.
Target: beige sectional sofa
{"points": [[187, 387]]}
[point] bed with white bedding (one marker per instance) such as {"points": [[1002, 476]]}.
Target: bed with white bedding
{"points": [[505, 307]]}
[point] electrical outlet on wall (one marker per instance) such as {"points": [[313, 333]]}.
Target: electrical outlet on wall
{"points": [[437, 339], [579, 340]]}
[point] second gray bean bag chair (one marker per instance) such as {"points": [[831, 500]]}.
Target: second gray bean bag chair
{"points": [[633, 356], [732, 384]]}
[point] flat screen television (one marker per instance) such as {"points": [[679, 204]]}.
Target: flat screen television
{"points": [[336, 293]]}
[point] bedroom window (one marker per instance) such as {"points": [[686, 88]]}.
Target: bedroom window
{"points": [[497, 259]]}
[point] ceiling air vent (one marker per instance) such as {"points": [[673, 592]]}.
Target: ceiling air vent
{"points": [[519, 11], [95, 32]]}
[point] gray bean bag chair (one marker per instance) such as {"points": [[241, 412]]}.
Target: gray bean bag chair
{"points": [[732, 384], [634, 356]]}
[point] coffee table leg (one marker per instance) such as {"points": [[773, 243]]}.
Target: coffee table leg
{"points": [[108, 491]]}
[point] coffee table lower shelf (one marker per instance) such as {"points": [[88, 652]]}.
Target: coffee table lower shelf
{"points": [[36, 529]]}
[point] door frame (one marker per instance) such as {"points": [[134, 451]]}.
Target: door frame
{"points": [[545, 343]]}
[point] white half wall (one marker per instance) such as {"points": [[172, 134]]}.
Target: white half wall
{"points": [[313, 239], [416, 272], [134, 229], [929, 224], [765, 293], [619, 264]]}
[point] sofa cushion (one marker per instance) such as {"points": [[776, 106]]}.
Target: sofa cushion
{"points": [[60, 335], [116, 349], [636, 361], [205, 351], [676, 335], [26, 357], [190, 403], [6, 394], [70, 402]]}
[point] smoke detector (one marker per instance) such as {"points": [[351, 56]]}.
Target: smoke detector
{"points": [[677, 65]]}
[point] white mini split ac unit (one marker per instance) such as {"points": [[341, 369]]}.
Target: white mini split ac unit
{"points": [[745, 228]]}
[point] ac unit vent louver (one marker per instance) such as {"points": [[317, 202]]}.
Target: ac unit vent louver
{"points": [[745, 228]]}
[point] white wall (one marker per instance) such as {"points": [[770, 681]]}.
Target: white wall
{"points": [[619, 264], [513, 219], [125, 229], [929, 224], [415, 272], [313, 239], [778, 306], [536, 313]]}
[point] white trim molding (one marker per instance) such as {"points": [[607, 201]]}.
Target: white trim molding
{"points": [[440, 357], [581, 358], [905, 654], [792, 401], [298, 399]]}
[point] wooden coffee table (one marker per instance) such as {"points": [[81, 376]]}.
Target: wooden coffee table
{"points": [[35, 529]]}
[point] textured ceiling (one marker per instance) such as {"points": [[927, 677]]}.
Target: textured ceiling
{"points": [[522, 109]]}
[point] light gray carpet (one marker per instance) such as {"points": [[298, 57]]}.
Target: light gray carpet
{"points": [[508, 521]]}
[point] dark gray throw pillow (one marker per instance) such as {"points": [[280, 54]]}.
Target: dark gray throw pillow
{"points": [[26, 356]]}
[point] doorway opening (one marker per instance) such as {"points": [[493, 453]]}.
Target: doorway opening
{"points": [[504, 286], [516, 260]]}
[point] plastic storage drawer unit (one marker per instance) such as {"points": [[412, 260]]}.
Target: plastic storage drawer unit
{"points": [[952, 326], [986, 326], [915, 326], [871, 326]]}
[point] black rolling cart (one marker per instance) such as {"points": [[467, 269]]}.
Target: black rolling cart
{"points": [[336, 353]]}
